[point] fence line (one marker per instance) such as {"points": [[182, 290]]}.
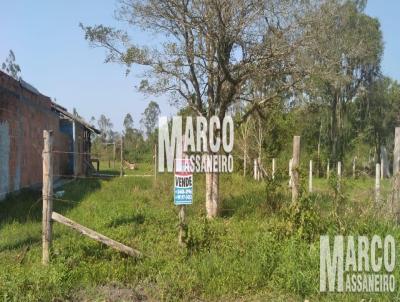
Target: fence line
{"points": [[48, 215], [71, 152]]}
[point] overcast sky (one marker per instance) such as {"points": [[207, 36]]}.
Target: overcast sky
{"points": [[55, 58]]}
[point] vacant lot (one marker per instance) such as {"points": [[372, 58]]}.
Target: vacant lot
{"points": [[261, 248]]}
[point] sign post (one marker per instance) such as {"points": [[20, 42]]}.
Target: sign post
{"points": [[183, 195]]}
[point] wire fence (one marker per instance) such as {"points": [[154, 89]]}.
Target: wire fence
{"points": [[61, 158], [21, 145]]}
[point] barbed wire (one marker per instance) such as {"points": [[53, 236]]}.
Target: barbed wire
{"points": [[35, 203], [85, 177], [63, 200], [71, 152]]}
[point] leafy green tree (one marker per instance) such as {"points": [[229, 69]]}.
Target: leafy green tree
{"points": [[106, 128], [211, 50], [11, 67], [377, 113], [128, 123], [149, 119], [345, 59]]}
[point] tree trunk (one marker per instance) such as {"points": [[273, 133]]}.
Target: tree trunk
{"points": [[378, 145], [334, 134], [212, 194]]}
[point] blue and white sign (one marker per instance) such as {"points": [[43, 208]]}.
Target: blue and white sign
{"points": [[183, 182], [183, 189]]}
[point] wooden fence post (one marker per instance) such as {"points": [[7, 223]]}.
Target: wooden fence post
{"points": [[255, 169], [295, 168], [354, 167], [47, 193], [395, 198], [310, 189], [396, 152], [259, 169], [109, 157], [327, 170], [384, 163], [155, 162], [121, 171], [114, 154], [339, 174], [273, 167], [377, 182], [182, 225]]}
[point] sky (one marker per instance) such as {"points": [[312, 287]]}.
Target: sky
{"points": [[55, 58]]}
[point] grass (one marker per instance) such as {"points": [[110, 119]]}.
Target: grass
{"points": [[260, 249], [143, 168]]}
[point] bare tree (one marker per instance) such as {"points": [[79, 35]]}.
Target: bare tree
{"points": [[211, 50]]}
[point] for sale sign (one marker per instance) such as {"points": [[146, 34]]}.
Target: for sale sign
{"points": [[183, 183]]}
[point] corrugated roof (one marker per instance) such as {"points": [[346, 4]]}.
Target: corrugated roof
{"points": [[64, 112], [28, 86]]}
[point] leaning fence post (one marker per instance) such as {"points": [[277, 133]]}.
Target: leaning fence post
{"points": [[295, 168], [310, 178], [377, 182], [47, 194]]}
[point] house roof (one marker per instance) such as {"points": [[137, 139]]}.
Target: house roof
{"points": [[28, 86], [63, 111], [10, 84]]}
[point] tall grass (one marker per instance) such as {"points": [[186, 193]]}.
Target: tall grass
{"points": [[260, 248]]}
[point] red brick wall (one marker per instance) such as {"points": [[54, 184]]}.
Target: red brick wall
{"points": [[26, 115]]}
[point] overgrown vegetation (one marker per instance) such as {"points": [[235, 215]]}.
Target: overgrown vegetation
{"points": [[280, 68], [261, 248]]}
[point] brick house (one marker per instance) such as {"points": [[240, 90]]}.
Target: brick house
{"points": [[24, 114]]}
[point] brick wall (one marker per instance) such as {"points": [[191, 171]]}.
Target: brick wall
{"points": [[23, 117]]}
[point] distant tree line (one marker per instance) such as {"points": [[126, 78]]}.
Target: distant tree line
{"points": [[138, 142], [310, 68]]}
